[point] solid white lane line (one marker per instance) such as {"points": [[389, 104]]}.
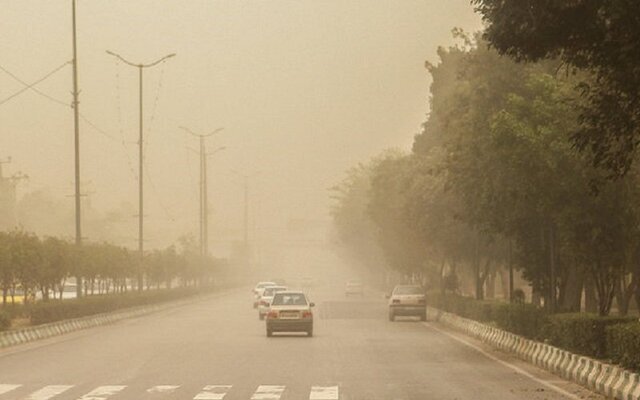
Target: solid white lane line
{"points": [[49, 392], [213, 392], [324, 393], [506, 364], [7, 388], [102, 392], [163, 389], [268, 392]]}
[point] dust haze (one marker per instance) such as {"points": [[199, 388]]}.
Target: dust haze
{"points": [[303, 90]]}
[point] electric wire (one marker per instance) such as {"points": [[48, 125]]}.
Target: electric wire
{"points": [[31, 86]]}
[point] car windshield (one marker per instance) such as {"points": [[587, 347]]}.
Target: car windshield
{"points": [[262, 285], [294, 299], [270, 291], [408, 290]]}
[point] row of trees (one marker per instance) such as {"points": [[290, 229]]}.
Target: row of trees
{"points": [[495, 180], [31, 267]]}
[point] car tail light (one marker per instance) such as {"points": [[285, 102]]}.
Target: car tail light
{"points": [[272, 314], [264, 303], [396, 301], [307, 314]]}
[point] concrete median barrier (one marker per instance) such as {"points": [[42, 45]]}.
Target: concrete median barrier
{"points": [[606, 379], [33, 333]]}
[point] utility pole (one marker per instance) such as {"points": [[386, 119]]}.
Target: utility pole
{"points": [[76, 124], [140, 67], [204, 197], [205, 201], [246, 178]]}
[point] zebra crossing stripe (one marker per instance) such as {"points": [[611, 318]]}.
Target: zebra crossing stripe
{"points": [[102, 392], [324, 393], [49, 392], [213, 392], [163, 389], [268, 392], [7, 388]]}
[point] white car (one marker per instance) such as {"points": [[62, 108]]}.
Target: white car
{"points": [[353, 288], [290, 312], [407, 300], [258, 289], [265, 300]]}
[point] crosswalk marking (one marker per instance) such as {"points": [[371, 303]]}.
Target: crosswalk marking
{"points": [[162, 389], [324, 393], [49, 392], [209, 392], [102, 392], [268, 392], [7, 388], [213, 392]]}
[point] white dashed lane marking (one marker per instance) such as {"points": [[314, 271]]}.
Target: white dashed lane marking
{"points": [[209, 392], [102, 392], [324, 393], [268, 392], [163, 389], [213, 392], [8, 388], [49, 392]]}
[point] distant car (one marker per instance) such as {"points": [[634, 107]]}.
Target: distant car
{"points": [[353, 288], [408, 300], [279, 281], [258, 289], [265, 300], [290, 312]]}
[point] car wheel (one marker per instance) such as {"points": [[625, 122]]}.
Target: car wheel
{"points": [[310, 332], [392, 316], [423, 316], [269, 333]]}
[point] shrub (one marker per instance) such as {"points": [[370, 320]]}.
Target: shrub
{"points": [[5, 321], [580, 333], [623, 344], [522, 319], [56, 310]]}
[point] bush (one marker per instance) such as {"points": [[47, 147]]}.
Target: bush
{"points": [[522, 319], [56, 310], [580, 333], [5, 321], [623, 344]]}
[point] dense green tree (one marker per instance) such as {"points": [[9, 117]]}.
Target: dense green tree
{"points": [[601, 37]]}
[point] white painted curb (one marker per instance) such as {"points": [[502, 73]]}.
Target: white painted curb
{"points": [[44, 331], [609, 380]]}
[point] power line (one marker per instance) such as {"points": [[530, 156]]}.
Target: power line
{"points": [[28, 86]]}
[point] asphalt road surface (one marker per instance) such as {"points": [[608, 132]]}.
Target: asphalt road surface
{"points": [[217, 349]]}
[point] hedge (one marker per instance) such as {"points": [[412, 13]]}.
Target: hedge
{"points": [[623, 344], [5, 321], [580, 333], [614, 338], [56, 310]]}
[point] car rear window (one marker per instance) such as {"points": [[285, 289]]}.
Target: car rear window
{"points": [[293, 299], [408, 290]]}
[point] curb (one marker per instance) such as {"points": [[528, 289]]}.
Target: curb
{"points": [[606, 379], [33, 333]]}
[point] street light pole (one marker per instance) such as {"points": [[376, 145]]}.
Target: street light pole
{"points": [[76, 124], [140, 67], [204, 217], [205, 221]]}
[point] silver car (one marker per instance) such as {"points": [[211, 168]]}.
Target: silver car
{"points": [[407, 300], [290, 311]]}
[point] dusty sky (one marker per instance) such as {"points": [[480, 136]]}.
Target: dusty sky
{"points": [[304, 89]]}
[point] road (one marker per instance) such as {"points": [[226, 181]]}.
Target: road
{"points": [[216, 348]]}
